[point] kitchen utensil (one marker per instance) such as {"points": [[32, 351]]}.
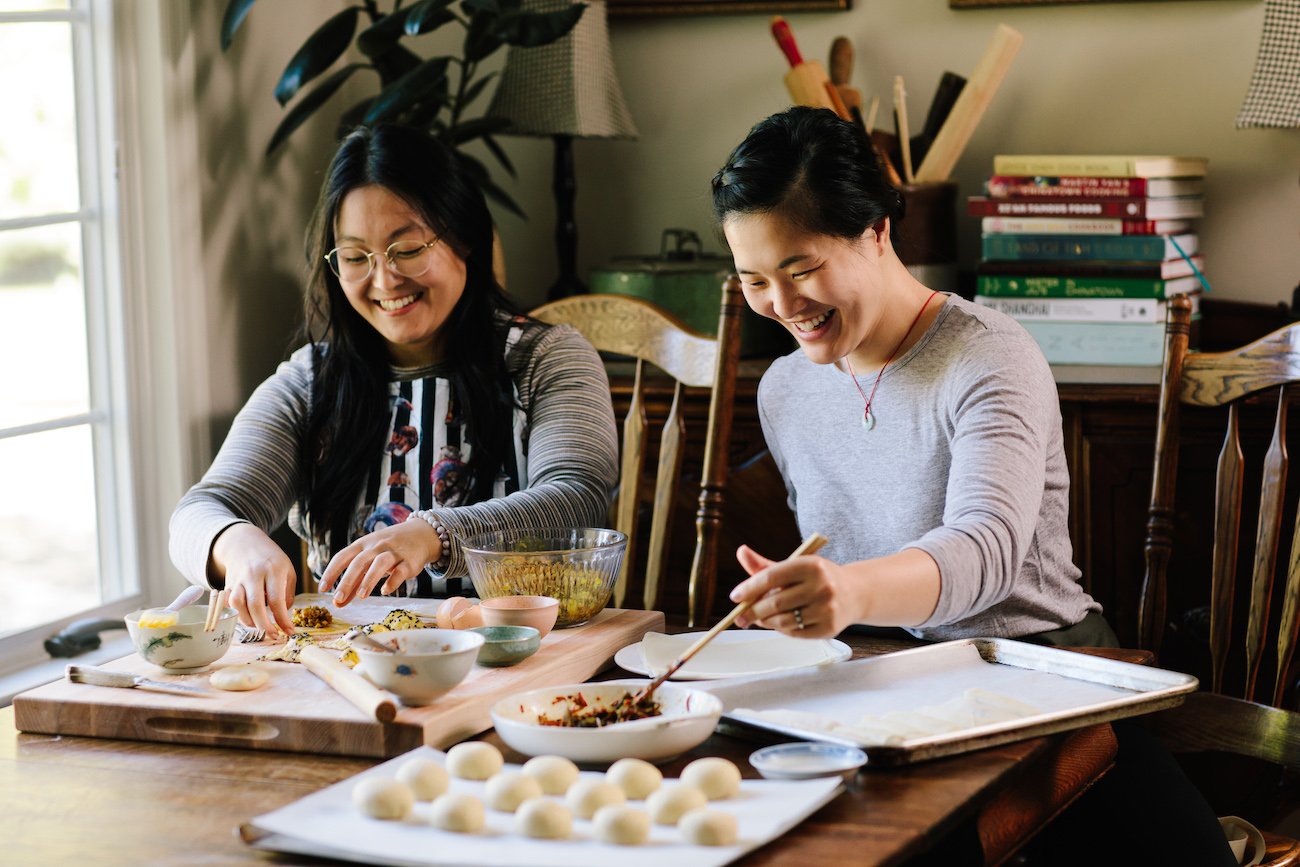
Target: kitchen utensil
{"points": [[808, 546], [184, 645], [507, 645], [249, 634], [103, 677], [841, 63], [945, 95], [970, 105], [901, 127], [805, 761], [160, 617], [807, 80], [364, 695], [216, 603], [355, 636], [424, 665]]}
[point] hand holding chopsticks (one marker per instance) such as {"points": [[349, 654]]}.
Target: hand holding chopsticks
{"points": [[809, 546]]}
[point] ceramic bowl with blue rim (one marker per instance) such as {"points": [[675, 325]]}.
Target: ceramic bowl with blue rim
{"points": [[424, 665]]}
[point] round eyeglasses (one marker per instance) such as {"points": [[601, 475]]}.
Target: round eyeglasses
{"points": [[408, 258]]}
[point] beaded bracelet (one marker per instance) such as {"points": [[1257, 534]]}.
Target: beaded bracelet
{"points": [[444, 558]]}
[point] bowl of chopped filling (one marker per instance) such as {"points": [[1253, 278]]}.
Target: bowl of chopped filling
{"points": [[576, 565], [597, 723]]}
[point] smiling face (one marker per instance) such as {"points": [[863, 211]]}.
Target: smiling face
{"points": [[408, 312], [828, 292]]}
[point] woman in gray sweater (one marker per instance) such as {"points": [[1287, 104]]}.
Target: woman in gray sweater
{"points": [[420, 393]]}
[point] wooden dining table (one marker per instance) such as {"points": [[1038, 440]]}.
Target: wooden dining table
{"points": [[90, 801]]}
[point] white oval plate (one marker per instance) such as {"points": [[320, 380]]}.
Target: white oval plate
{"points": [[631, 658]]}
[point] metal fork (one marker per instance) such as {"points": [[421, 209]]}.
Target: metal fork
{"points": [[249, 634]]}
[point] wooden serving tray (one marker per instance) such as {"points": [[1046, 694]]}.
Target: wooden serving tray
{"points": [[298, 712]]}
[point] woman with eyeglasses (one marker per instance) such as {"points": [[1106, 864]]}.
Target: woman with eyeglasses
{"points": [[422, 408]]}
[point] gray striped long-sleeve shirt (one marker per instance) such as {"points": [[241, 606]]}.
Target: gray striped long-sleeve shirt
{"points": [[569, 440]]}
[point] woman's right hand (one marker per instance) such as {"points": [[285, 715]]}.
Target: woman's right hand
{"points": [[259, 576]]}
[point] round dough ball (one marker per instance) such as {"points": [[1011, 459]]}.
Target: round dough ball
{"points": [[554, 773], [622, 825], [382, 798], [717, 778], [474, 760], [457, 811], [636, 777], [668, 805], [426, 778], [506, 791], [585, 797], [540, 817], [708, 828], [238, 678]]}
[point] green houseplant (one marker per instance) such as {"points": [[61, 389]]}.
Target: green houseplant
{"points": [[433, 93]]}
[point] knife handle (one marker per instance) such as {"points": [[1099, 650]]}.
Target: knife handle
{"points": [[785, 40], [364, 695]]}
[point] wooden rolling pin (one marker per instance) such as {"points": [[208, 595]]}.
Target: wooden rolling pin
{"points": [[363, 694], [807, 80], [969, 108], [842, 71]]}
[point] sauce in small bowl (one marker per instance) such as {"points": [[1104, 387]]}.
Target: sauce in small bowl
{"points": [[804, 761]]}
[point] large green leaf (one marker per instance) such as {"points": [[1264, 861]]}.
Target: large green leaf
{"points": [[383, 34], [309, 103], [481, 37], [404, 94], [471, 129], [475, 6], [235, 12], [497, 151], [316, 55], [397, 61], [427, 16], [530, 29], [472, 92]]}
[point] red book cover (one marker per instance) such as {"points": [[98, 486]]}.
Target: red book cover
{"points": [[1049, 187], [1151, 209]]}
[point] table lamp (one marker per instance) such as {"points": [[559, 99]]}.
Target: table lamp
{"points": [[564, 90]]}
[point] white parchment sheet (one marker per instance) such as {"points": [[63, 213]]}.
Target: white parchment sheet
{"points": [[326, 823], [905, 681]]}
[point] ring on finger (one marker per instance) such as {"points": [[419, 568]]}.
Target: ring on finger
{"points": [[798, 618]]}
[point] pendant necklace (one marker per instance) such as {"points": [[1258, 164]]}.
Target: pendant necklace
{"points": [[869, 420]]}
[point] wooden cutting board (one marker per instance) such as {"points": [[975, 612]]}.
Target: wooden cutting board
{"points": [[298, 712]]}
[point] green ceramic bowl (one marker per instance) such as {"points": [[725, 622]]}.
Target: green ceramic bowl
{"points": [[507, 645]]}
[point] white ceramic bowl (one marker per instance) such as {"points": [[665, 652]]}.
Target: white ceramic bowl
{"points": [[183, 646], [688, 718], [805, 761], [427, 664]]}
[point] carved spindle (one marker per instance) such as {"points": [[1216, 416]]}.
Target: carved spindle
{"points": [[1227, 530], [672, 448], [1272, 491], [630, 481]]}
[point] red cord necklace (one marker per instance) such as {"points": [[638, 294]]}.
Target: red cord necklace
{"points": [[869, 420]]}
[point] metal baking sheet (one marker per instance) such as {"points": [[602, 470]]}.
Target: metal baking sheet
{"points": [[1068, 690]]}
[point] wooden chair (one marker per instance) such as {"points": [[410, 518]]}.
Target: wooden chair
{"points": [[1211, 721], [632, 327]]}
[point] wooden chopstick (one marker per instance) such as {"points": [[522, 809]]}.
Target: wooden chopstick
{"points": [[808, 546], [216, 602]]}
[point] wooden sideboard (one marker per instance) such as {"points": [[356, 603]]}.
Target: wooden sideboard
{"points": [[1109, 442]]}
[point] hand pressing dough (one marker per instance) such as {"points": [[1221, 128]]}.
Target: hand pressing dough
{"points": [[716, 777], [554, 773], [238, 678], [540, 817], [474, 760], [636, 777], [708, 828], [585, 797], [507, 790], [668, 805], [622, 825], [382, 798], [457, 811], [426, 778]]}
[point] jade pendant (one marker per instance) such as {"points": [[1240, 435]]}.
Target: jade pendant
{"points": [[868, 420]]}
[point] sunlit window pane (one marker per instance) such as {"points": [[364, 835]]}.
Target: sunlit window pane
{"points": [[38, 134], [48, 561], [32, 5], [42, 325]]}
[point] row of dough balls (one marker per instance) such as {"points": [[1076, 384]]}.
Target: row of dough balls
{"points": [[520, 792]]}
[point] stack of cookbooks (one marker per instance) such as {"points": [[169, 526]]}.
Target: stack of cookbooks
{"points": [[1085, 250]]}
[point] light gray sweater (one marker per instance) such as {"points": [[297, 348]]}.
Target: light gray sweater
{"points": [[966, 463]]}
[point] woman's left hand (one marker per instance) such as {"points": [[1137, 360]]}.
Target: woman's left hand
{"points": [[393, 555], [806, 597]]}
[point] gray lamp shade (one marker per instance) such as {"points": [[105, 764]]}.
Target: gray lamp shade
{"points": [[567, 87]]}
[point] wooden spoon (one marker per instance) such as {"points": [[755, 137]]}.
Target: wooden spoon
{"points": [[809, 545]]}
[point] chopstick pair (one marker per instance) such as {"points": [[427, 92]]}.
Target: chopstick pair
{"points": [[216, 603]]}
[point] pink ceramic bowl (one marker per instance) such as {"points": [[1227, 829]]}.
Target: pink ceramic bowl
{"points": [[538, 612]]}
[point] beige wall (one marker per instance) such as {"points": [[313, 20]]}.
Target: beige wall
{"points": [[1120, 77]]}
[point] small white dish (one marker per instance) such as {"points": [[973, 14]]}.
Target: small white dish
{"points": [[705, 665], [805, 761]]}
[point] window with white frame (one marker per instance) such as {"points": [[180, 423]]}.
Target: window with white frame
{"points": [[67, 515]]}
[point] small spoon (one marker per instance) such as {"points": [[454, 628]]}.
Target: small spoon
{"points": [[356, 636], [163, 617]]}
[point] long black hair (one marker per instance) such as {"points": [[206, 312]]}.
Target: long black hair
{"points": [[811, 168], [350, 413]]}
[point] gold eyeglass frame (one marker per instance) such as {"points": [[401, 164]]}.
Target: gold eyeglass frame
{"points": [[388, 258]]}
